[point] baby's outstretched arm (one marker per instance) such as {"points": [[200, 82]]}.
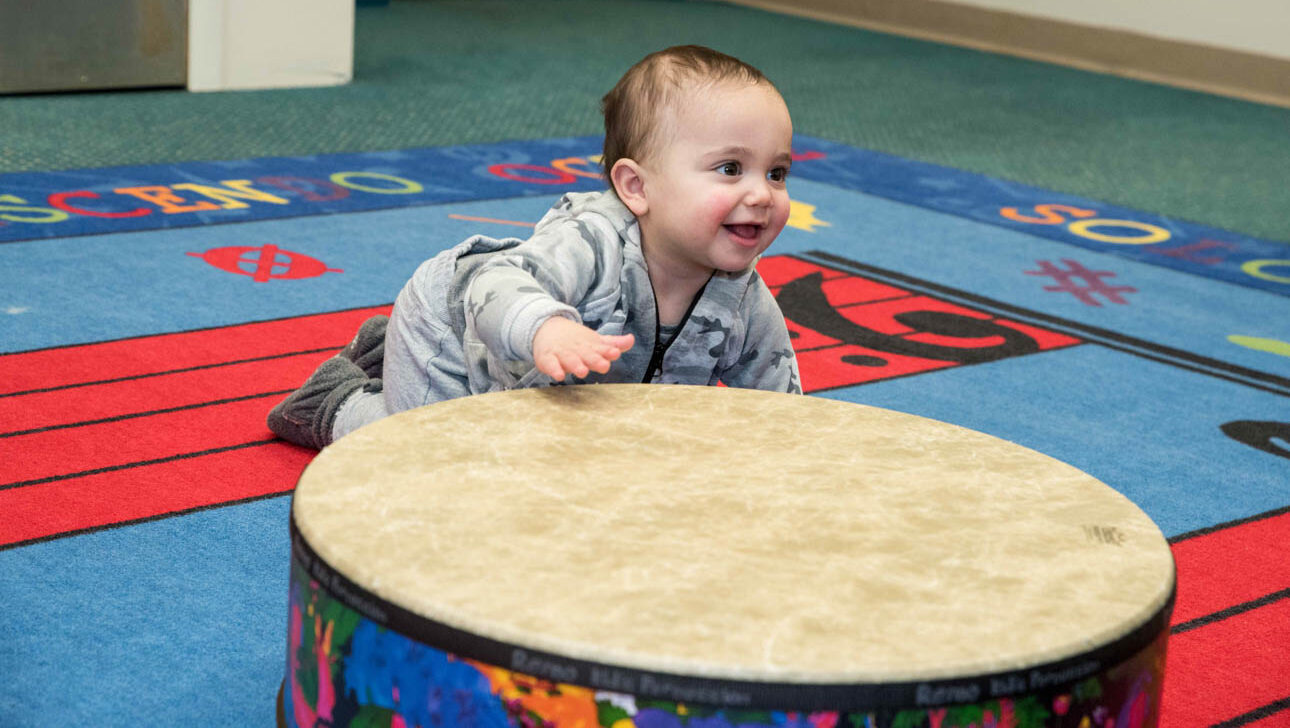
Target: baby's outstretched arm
{"points": [[562, 347]]}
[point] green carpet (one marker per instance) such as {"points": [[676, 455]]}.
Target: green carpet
{"points": [[459, 71]]}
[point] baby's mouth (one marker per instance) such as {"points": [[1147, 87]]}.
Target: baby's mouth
{"points": [[747, 231]]}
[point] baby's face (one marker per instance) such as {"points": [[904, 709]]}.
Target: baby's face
{"points": [[716, 185]]}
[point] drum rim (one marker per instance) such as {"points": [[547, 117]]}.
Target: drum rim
{"points": [[729, 692]]}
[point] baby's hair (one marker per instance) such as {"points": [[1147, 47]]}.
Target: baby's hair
{"points": [[633, 107]]}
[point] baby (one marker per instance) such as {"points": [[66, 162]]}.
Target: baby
{"points": [[650, 281]]}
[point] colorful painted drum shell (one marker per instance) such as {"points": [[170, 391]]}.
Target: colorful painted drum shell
{"points": [[363, 650], [356, 660]]}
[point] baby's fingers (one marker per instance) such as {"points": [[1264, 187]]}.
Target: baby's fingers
{"points": [[549, 365], [601, 359], [608, 352], [621, 342], [574, 364]]}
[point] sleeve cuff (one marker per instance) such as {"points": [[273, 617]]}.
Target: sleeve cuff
{"points": [[523, 322]]}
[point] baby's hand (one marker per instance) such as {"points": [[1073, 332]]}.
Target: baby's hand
{"points": [[562, 347]]}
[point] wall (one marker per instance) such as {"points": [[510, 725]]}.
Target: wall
{"points": [[250, 44], [1236, 48], [1253, 26]]}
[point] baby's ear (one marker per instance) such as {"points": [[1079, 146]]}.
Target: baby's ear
{"points": [[628, 179]]}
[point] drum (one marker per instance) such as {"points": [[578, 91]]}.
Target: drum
{"points": [[670, 556]]}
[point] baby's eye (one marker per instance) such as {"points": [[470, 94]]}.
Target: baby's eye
{"points": [[778, 174], [729, 168]]}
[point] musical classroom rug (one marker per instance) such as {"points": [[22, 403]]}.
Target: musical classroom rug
{"points": [[150, 316]]}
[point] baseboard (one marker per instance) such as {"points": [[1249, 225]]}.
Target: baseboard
{"points": [[1247, 76]]}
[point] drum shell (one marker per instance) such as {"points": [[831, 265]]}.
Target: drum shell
{"points": [[348, 664]]}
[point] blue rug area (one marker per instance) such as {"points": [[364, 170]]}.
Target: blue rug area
{"points": [[170, 623]]}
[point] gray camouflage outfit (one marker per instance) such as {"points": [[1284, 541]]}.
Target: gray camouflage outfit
{"points": [[465, 322]]}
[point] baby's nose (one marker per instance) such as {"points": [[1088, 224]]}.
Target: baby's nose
{"points": [[759, 192]]}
